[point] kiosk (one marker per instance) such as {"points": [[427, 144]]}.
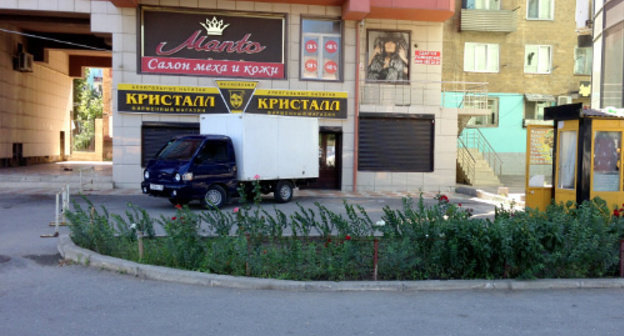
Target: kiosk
{"points": [[586, 146]]}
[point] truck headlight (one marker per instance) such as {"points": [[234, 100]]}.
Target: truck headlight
{"points": [[146, 174], [187, 176], [177, 177]]}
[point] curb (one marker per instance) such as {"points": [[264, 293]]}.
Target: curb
{"points": [[70, 251]]}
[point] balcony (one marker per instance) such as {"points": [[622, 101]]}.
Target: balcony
{"points": [[466, 98], [483, 20]]}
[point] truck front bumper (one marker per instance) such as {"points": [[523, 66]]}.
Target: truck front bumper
{"points": [[167, 190]]}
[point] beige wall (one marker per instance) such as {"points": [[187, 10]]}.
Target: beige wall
{"points": [[127, 144], [424, 91], [34, 106], [559, 33]]}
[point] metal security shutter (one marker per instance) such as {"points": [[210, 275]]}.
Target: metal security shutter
{"points": [[396, 144], [156, 135]]}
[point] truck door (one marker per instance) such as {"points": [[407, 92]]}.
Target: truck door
{"points": [[214, 163], [539, 161]]}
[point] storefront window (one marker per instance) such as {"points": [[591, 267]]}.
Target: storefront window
{"points": [[613, 67], [321, 49], [606, 161], [567, 160]]}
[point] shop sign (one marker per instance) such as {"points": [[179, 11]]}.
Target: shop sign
{"points": [[142, 98], [230, 96], [427, 57], [205, 43]]}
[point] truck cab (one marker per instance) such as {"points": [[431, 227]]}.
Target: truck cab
{"points": [[193, 167]]}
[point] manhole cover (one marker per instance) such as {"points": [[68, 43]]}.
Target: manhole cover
{"points": [[45, 259], [4, 258]]}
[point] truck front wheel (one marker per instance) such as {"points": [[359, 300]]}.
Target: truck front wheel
{"points": [[215, 197], [283, 191]]}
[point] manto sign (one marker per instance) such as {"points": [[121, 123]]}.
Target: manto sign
{"points": [[204, 43], [230, 97]]}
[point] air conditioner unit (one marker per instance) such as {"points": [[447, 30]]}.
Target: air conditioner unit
{"points": [[24, 62], [564, 100]]}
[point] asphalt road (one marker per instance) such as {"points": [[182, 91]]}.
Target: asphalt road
{"points": [[38, 296]]}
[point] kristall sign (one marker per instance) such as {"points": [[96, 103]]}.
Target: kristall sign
{"points": [[212, 44], [230, 97]]}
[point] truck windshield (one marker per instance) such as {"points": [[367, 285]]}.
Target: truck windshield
{"points": [[182, 150]]}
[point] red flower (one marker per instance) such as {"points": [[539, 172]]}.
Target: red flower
{"points": [[616, 213], [443, 198], [347, 237], [235, 210], [174, 218], [178, 206], [459, 204], [256, 177]]}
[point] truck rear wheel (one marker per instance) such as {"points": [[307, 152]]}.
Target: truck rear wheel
{"points": [[283, 191], [215, 197]]}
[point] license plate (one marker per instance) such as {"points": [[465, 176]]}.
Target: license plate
{"points": [[157, 187]]}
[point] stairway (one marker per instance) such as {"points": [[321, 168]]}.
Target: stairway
{"points": [[478, 172], [477, 163]]}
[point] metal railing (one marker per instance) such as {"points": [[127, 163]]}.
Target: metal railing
{"points": [[472, 138], [466, 161], [458, 95]]}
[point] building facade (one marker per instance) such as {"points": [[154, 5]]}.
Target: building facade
{"points": [[531, 53], [608, 70], [370, 70]]}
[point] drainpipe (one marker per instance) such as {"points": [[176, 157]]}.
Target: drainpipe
{"points": [[356, 121]]}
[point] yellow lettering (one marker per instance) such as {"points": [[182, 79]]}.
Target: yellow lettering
{"points": [[199, 101], [210, 100], [131, 98], [324, 105], [314, 105], [335, 105], [154, 99], [142, 98], [262, 103], [272, 102], [295, 104], [187, 101], [166, 100], [283, 104]]}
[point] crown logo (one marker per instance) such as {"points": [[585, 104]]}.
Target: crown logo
{"points": [[214, 26]]}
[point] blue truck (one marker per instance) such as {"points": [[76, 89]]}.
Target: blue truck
{"points": [[231, 153]]}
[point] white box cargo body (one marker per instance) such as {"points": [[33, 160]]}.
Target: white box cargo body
{"points": [[272, 147]]}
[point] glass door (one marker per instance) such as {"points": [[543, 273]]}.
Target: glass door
{"points": [[607, 166], [567, 150], [539, 163]]}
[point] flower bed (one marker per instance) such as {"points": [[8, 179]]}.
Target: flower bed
{"points": [[415, 242]]}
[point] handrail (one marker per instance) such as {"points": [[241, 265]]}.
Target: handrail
{"points": [[474, 138], [463, 156]]}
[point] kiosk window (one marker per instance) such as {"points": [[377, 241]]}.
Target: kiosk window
{"points": [[606, 161], [567, 160]]}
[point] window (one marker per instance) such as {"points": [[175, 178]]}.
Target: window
{"points": [[567, 160], [213, 151], [480, 57], [606, 160], [486, 120], [321, 49], [482, 4], [583, 61], [540, 9], [537, 59], [613, 67], [535, 109]]}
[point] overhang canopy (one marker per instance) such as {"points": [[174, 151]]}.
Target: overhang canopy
{"points": [[414, 10]]}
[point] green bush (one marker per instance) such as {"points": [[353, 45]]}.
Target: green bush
{"points": [[415, 242]]}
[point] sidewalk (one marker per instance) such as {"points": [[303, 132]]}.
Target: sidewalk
{"points": [[95, 178]]}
